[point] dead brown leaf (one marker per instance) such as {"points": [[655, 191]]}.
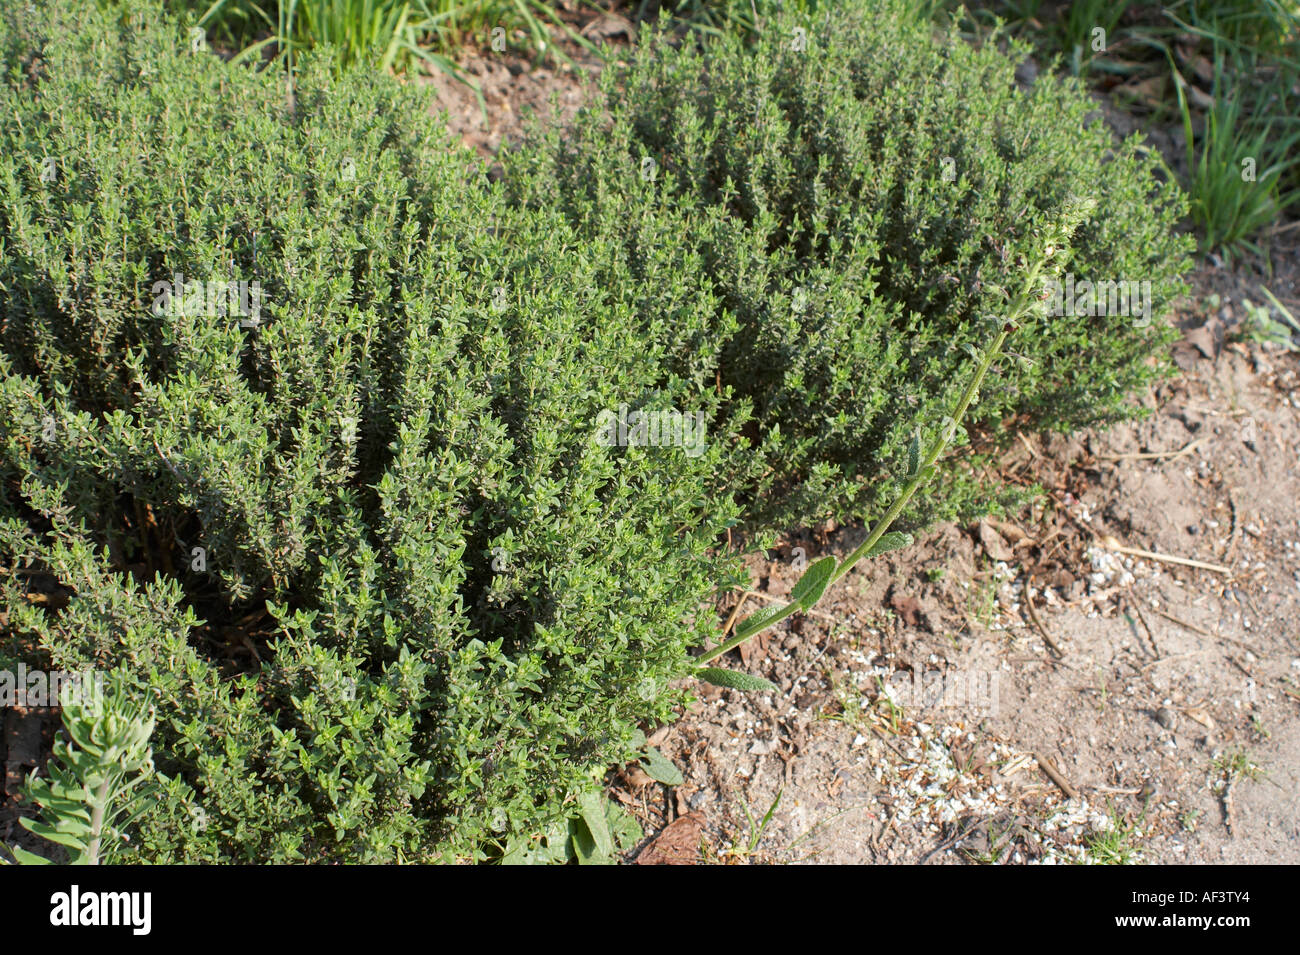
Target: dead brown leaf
{"points": [[678, 844], [994, 545]]}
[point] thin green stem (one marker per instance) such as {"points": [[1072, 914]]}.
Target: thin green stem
{"points": [[923, 471], [734, 642], [945, 437]]}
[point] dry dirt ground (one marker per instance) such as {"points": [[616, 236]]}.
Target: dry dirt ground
{"points": [[1018, 690]]}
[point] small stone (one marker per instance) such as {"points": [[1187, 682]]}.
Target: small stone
{"points": [[1165, 717]]}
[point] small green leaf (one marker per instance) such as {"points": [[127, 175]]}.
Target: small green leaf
{"points": [[592, 808], [891, 541], [583, 845], [758, 621], [554, 848], [518, 853], [660, 768], [735, 680], [813, 583], [627, 832], [28, 858], [914, 455], [54, 835]]}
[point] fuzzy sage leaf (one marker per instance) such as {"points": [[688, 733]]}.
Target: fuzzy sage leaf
{"points": [[891, 541], [758, 621], [813, 583], [660, 768], [735, 680]]}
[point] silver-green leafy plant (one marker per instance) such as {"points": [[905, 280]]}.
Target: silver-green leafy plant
{"points": [[1028, 303], [99, 779]]}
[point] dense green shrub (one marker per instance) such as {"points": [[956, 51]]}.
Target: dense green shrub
{"points": [[857, 193], [415, 401]]}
